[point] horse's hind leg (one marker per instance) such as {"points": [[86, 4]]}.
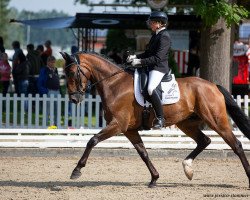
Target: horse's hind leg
{"points": [[136, 140], [110, 130], [191, 128], [236, 146], [217, 120]]}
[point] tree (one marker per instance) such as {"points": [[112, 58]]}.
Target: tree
{"points": [[216, 38], [4, 18]]}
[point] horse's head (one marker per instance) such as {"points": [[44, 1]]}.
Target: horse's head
{"points": [[77, 76]]}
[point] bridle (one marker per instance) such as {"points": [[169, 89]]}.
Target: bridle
{"points": [[78, 76], [80, 71]]}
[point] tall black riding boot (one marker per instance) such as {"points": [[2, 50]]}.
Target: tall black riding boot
{"points": [[156, 102]]}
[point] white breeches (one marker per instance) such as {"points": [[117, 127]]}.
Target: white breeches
{"points": [[155, 78]]}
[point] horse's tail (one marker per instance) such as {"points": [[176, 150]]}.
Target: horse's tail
{"points": [[238, 116]]}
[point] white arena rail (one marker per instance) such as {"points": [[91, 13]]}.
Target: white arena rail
{"points": [[88, 114], [78, 138]]}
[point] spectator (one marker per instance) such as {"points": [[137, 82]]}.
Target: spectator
{"points": [[240, 57], [49, 83], [193, 62], [74, 49], [48, 52], [21, 73], [5, 71], [2, 49], [35, 63], [15, 60], [248, 58], [40, 49]]}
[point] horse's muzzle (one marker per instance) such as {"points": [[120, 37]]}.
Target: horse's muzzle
{"points": [[76, 97]]}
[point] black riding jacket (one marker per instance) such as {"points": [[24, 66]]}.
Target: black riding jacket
{"points": [[155, 56]]}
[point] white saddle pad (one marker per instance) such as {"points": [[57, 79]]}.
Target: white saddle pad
{"points": [[170, 95]]}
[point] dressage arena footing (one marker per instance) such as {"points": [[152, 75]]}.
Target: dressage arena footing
{"points": [[104, 152]]}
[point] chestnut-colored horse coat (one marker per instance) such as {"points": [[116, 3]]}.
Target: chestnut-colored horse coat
{"points": [[200, 102]]}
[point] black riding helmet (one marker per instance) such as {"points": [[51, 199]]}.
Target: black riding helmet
{"points": [[158, 16]]}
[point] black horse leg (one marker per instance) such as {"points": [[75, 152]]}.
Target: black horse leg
{"points": [[240, 153], [236, 146], [191, 128], [109, 131], [135, 139], [144, 155]]}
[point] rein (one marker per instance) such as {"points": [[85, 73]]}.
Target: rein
{"points": [[77, 63], [97, 82]]}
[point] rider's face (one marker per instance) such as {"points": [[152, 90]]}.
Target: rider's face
{"points": [[153, 25]]}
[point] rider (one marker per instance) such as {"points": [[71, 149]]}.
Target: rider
{"points": [[155, 60]]}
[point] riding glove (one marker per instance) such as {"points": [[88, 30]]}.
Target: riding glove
{"points": [[136, 62], [130, 58]]}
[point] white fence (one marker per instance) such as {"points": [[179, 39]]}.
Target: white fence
{"points": [[23, 124], [32, 112]]}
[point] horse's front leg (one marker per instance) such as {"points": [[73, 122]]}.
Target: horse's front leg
{"points": [[110, 130], [136, 140]]}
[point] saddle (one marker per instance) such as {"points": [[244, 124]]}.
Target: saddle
{"points": [[168, 91], [143, 83]]}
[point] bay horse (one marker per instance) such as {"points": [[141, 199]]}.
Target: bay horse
{"points": [[201, 102]]}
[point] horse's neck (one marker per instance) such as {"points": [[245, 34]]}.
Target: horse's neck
{"points": [[107, 76], [102, 69]]}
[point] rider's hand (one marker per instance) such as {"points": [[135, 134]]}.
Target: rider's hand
{"points": [[130, 58], [136, 62]]}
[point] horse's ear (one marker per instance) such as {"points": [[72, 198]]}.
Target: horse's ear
{"points": [[65, 56], [68, 58]]}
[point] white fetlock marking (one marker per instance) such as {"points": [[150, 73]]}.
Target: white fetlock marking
{"points": [[187, 162], [187, 166]]}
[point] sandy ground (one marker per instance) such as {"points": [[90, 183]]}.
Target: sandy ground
{"points": [[118, 178]]}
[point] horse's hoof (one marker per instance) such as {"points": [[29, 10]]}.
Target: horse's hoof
{"points": [[187, 166], [152, 184], [75, 174]]}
